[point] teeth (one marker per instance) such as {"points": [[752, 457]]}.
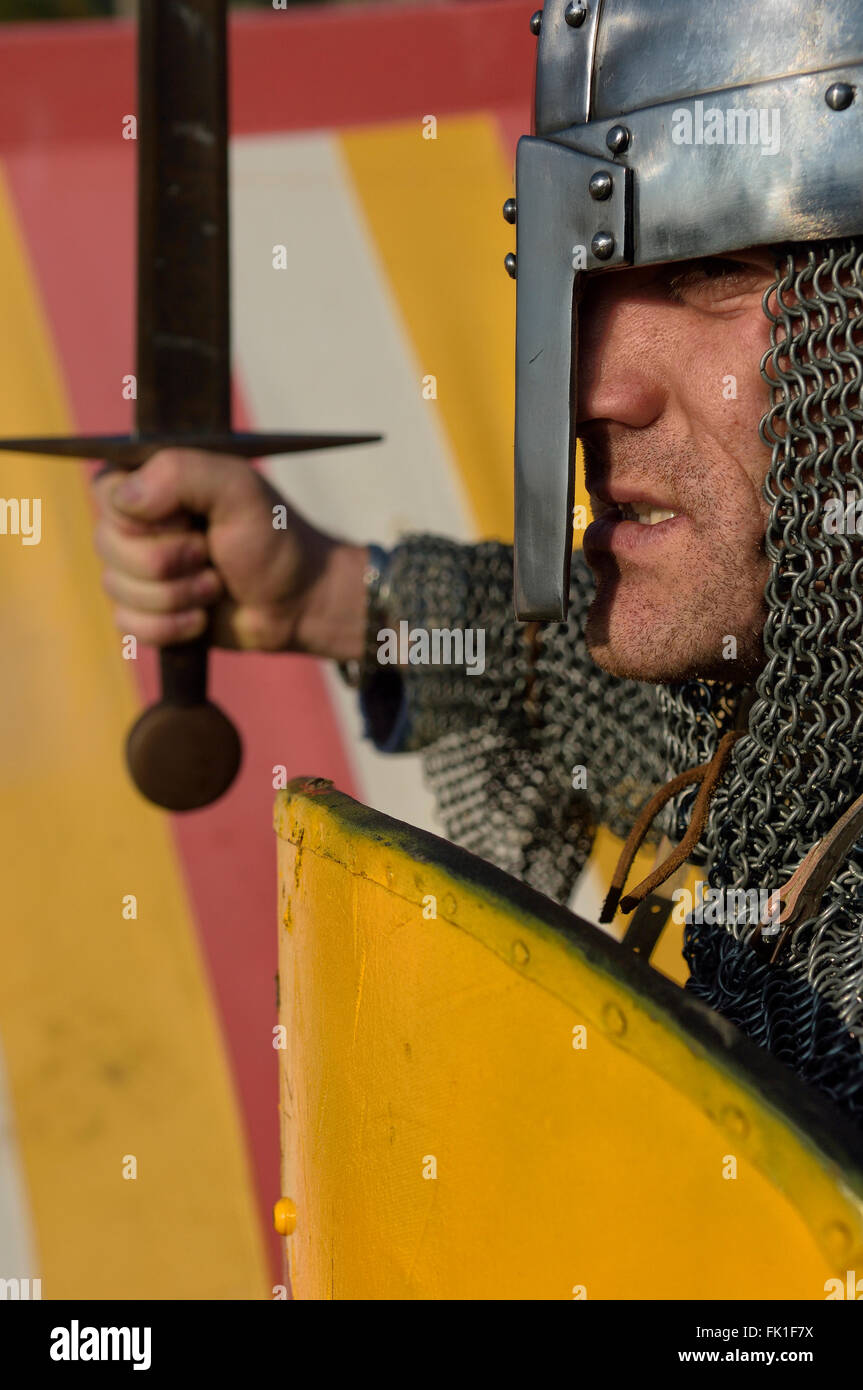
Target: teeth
{"points": [[645, 515]]}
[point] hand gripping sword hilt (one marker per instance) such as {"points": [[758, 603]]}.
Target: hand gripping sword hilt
{"points": [[183, 752]]}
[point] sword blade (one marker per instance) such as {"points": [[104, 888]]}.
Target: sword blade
{"points": [[184, 333]]}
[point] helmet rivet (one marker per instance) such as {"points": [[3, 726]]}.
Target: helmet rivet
{"points": [[618, 139], [839, 96], [536, 22], [509, 211], [575, 14], [602, 246], [601, 185], [510, 263]]}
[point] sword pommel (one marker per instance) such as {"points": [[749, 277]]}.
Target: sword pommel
{"points": [[183, 752]]}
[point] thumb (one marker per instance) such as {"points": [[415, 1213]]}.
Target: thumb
{"points": [[173, 480]]}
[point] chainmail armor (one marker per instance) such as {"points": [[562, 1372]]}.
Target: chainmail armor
{"points": [[798, 768], [499, 750]]}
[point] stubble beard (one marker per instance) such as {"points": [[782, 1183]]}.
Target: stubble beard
{"points": [[698, 611]]}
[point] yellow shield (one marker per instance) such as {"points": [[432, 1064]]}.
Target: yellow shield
{"points": [[484, 1097]]}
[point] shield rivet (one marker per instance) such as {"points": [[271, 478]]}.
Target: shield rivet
{"points": [[575, 14], [601, 185], [536, 22], [839, 96], [510, 264], [618, 139], [602, 246], [509, 211], [285, 1217], [614, 1019]]}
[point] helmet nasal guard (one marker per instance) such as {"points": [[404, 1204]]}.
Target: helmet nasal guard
{"points": [[637, 104]]}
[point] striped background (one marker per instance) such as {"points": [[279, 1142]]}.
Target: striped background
{"points": [[153, 1037]]}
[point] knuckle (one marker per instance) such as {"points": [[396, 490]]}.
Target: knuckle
{"points": [[182, 626], [179, 596], [164, 559]]}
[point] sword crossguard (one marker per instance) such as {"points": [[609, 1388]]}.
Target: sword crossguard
{"points": [[130, 450]]}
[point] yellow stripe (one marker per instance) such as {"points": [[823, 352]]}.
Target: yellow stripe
{"points": [[108, 1027], [434, 210]]}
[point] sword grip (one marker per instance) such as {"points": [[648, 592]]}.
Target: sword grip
{"points": [[184, 671], [183, 666]]}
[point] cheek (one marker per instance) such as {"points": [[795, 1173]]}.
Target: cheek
{"points": [[738, 397]]}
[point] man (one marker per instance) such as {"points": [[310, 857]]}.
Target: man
{"points": [[714, 481]]}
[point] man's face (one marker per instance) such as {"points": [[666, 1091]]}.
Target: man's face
{"points": [[670, 398]]}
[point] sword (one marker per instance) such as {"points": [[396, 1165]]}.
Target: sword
{"points": [[183, 752]]}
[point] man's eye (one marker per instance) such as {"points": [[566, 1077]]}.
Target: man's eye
{"points": [[712, 279]]}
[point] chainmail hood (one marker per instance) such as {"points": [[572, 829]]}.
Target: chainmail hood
{"points": [[799, 765]]}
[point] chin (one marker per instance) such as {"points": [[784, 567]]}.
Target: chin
{"points": [[645, 641]]}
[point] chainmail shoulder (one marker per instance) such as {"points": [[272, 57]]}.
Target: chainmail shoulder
{"points": [[500, 749]]}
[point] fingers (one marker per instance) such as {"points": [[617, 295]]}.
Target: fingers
{"points": [[156, 565], [171, 596], [163, 612], [159, 566], [149, 555], [161, 630]]}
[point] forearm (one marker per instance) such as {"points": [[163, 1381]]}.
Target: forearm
{"points": [[439, 586]]}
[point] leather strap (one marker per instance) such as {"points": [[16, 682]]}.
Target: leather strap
{"points": [[708, 774]]}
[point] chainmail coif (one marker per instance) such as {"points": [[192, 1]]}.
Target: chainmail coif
{"points": [[799, 766], [500, 750]]}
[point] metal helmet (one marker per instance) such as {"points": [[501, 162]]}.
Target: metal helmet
{"points": [[636, 102]]}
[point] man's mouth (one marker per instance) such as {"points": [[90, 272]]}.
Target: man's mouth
{"points": [[644, 513], [628, 526]]}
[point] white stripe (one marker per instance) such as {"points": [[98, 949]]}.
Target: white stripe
{"points": [[588, 896], [321, 346], [17, 1244]]}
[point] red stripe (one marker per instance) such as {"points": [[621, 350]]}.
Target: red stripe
{"points": [[291, 70]]}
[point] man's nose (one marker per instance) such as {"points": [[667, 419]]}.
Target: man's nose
{"points": [[619, 375]]}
